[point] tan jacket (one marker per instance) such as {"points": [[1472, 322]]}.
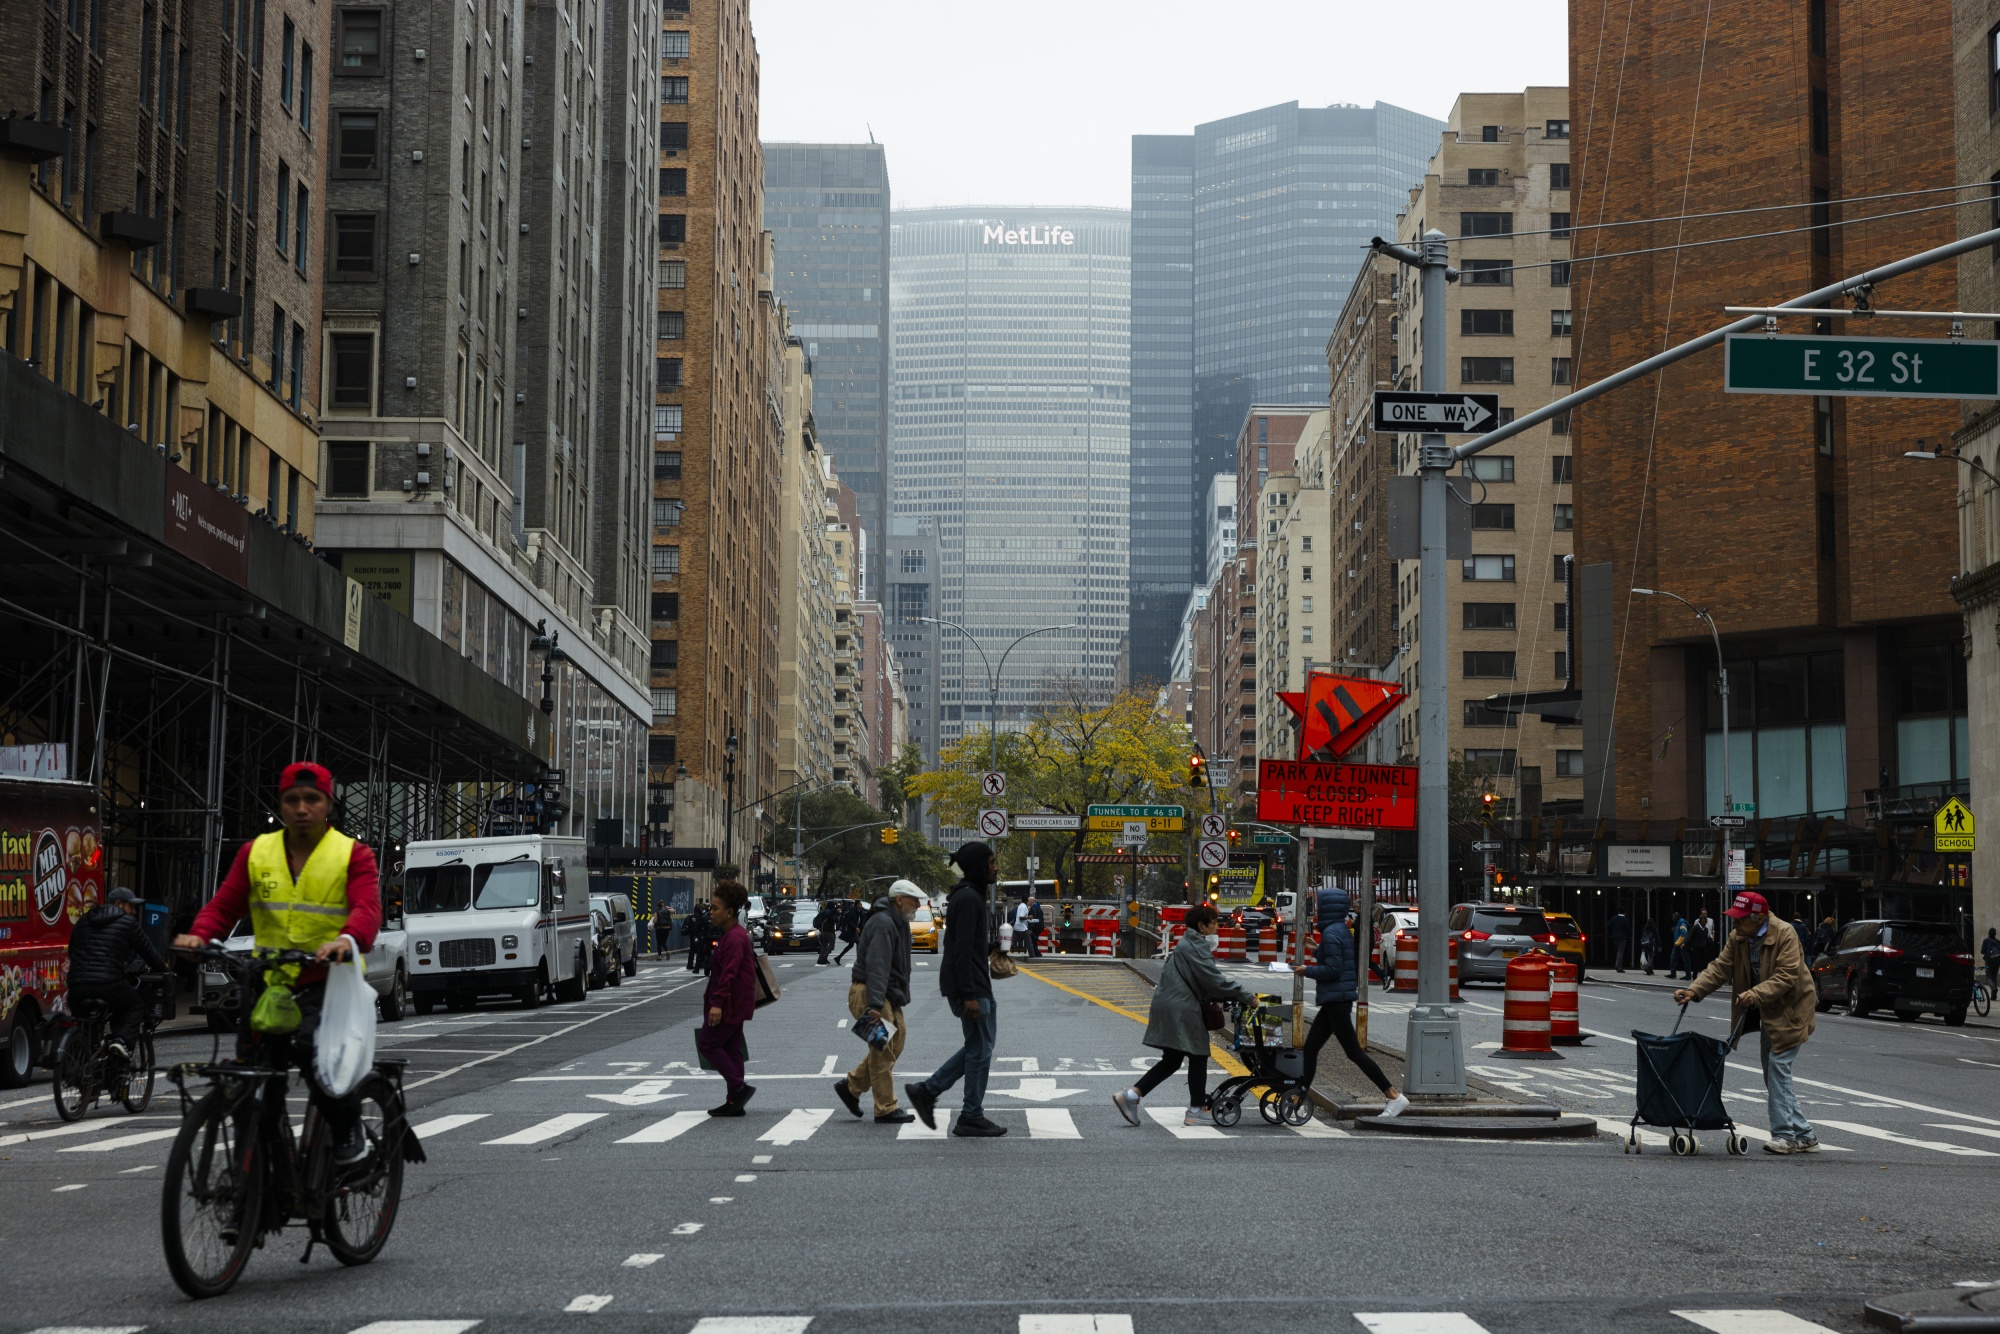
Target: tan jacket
{"points": [[1785, 998]]}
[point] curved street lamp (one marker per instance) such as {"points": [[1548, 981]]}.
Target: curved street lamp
{"points": [[1722, 689], [993, 675]]}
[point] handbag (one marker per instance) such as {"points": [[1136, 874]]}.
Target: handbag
{"points": [[1211, 1011], [344, 1046], [767, 981], [999, 964]]}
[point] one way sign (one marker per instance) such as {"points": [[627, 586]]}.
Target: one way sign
{"points": [[1461, 414]]}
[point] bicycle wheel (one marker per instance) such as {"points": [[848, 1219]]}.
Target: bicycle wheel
{"points": [[213, 1199], [72, 1077], [137, 1094], [1982, 999], [362, 1200]]}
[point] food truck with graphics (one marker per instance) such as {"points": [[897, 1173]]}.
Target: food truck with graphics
{"points": [[51, 874]]}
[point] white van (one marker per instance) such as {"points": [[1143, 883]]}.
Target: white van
{"points": [[496, 917]]}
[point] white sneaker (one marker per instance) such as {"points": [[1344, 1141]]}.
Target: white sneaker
{"points": [[1198, 1116], [1127, 1103], [1396, 1106]]}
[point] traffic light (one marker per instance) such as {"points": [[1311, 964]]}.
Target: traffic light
{"points": [[1486, 807], [1197, 770], [1235, 837], [889, 836]]}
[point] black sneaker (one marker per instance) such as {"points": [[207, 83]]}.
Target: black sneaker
{"points": [[924, 1101], [977, 1127], [727, 1109], [846, 1096], [899, 1117], [350, 1148]]}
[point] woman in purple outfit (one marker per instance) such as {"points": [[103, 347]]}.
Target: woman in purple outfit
{"points": [[731, 998]]}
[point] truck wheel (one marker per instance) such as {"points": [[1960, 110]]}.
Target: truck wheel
{"points": [[572, 989], [17, 1050], [396, 1000], [632, 966], [424, 1004]]}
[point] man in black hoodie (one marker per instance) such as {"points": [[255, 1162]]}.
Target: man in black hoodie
{"points": [[101, 947], [968, 990]]}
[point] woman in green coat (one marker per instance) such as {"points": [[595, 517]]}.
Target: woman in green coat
{"points": [[1174, 1025]]}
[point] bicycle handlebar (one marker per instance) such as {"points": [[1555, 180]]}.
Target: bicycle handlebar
{"points": [[243, 959]]}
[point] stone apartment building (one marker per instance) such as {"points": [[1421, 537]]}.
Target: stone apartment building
{"points": [[1301, 586], [717, 425], [1361, 358], [851, 743], [807, 587], [1499, 185]]}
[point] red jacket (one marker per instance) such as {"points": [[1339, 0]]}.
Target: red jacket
{"points": [[231, 903], [732, 978]]}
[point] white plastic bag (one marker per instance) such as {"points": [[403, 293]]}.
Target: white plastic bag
{"points": [[344, 1046]]}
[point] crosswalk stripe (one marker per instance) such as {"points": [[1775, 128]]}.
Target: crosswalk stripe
{"points": [[800, 1124], [1419, 1322], [1076, 1324], [1317, 1129], [53, 1132], [549, 1129], [121, 1141], [91, 1329], [1170, 1119], [1752, 1322], [918, 1130], [416, 1327], [1052, 1123], [437, 1125], [1968, 1130], [751, 1324], [673, 1127], [1937, 1145]]}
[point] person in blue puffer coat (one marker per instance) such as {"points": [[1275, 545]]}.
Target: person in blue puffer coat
{"points": [[1333, 976]]}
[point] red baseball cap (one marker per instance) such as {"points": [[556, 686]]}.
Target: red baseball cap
{"points": [[304, 773], [1746, 903]]}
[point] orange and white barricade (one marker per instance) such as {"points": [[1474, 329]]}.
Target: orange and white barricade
{"points": [[1565, 1013], [1451, 962], [1524, 1023], [1406, 963]]}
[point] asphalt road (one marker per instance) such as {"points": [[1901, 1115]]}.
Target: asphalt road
{"points": [[571, 1183]]}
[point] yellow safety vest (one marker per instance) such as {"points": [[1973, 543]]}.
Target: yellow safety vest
{"points": [[302, 914]]}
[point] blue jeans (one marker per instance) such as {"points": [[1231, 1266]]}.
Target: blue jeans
{"points": [[974, 1060], [1787, 1121]]}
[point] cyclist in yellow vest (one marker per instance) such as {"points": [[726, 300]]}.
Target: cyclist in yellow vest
{"points": [[303, 887]]}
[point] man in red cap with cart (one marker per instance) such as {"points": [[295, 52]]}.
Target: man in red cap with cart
{"points": [[1772, 992], [304, 887]]}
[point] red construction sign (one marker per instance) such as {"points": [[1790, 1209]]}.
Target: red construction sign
{"points": [[1336, 712], [1350, 796]]}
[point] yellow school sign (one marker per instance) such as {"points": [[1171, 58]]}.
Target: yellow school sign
{"points": [[1951, 830]]}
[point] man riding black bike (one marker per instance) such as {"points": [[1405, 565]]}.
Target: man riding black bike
{"points": [[303, 888], [101, 950]]}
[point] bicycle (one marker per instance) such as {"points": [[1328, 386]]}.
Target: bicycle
{"points": [[1982, 997], [85, 1067], [238, 1173]]}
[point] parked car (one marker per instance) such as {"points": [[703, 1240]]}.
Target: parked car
{"points": [[384, 968], [1570, 939], [606, 970], [1391, 920], [624, 929], [793, 929], [1489, 934], [1909, 967]]}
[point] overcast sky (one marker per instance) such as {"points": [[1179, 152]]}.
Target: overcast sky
{"points": [[1035, 101]]}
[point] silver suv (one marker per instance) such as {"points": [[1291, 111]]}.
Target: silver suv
{"points": [[1489, 934]]}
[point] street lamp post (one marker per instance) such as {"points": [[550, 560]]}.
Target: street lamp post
{"points": [[729, 799], [1722, 690]]}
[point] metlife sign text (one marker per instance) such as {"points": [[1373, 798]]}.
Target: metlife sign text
{"points": [[1001, 234]]}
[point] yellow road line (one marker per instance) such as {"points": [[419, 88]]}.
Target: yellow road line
{"points": [[1226, 1060]]}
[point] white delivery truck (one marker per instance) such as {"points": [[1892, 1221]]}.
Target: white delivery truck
{"points": [[506, 916]]}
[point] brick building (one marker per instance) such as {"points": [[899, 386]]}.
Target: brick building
{"points": [[717, 374], [1361, 358], [1823, 555], [805, 607], [1266, 443]]}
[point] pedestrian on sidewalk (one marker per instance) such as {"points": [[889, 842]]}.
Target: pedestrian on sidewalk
{"points": [[1771, 991], [879, 988], [1678, 962], [730, 999], [1621, 940], [1710, 939], [850, 927], [1188, 981], [1036, 918], [1021, 926], [1823, 941], [1649, 947], [1333, 975], [1699, 938], [1989, 950], [826, 921], [697, 923], [663, 927], [967, 984]]}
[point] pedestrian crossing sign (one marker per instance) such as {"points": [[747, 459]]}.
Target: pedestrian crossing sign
{"points": [[1952, 829]]}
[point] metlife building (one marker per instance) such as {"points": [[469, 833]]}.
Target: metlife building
{"points": [[1008, 438]]}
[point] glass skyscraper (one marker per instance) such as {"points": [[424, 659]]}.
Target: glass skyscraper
{"points": [[1246, 236], [827, 206], [1009, 434]]}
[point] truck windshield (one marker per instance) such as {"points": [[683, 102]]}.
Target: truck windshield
{"points": [[438, 889], [507, 885]]}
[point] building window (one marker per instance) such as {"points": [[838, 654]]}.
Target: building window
{"points": [[1555, 129], [1488, 272], [356, 144], [1559, 274], [1491, 467], [1560, 370], [1823, 425], [1562, 469], [1569, 764], [1822, 121], [1558, 175], [1559, 229], [666, 465], [667, 607], [1486, 224], [1482, 176], [1565, 518], [1305, 574], [1487, 569], [1489, 134], [673, 324], [667, 373], [354, 245], [283, 231], [673, 46], [346, 470], [1993, 70], [666, 561], [673, 274], [1562, 666], [1478, 713], [286, 56], [666, 516], [1498, 763], [1488, 615], [673, 228], [1559, 324], [665, 703], [666, 654], [1486, 370], [1476, 323], [358, 32], [674, 90], [1561, 611], [660, 753], [666, 422], [352, 372], [674, 136], [301, 227], [673, 182], [1493, 518], [295, 387], [1559, 424]]}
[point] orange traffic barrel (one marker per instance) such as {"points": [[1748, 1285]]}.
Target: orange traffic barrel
{"points": [[1406, 962], [1451, 958], [1565, 1013], [1524, 1022]]}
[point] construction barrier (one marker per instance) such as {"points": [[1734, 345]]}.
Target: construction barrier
{"points": [[1229, 943], [1451, 963], [1406, 964], [1524, 1022], [1565, 1013]]}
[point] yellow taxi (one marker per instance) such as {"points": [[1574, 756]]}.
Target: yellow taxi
{"points": [[924, 930], [1569, 938]]}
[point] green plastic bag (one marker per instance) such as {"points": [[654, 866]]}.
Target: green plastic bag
{"points": [[277, 1011]]}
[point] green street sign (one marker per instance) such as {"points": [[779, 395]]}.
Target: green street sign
{"points": [[1138, 812], [1270, 838], [1862, 367]]}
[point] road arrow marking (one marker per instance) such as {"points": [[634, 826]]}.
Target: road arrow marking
{"points": [[643, 1094], [1036, 1090]]}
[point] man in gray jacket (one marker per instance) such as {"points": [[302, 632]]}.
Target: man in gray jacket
{"points": [[879, 988]]}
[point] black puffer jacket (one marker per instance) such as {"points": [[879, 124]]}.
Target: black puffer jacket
{"points": [[104, 942]]}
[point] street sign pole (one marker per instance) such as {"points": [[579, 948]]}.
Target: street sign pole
{"points": [[1299, 941]]}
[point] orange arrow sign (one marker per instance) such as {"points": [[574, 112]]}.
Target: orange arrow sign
{"points": [[1336, 712]]}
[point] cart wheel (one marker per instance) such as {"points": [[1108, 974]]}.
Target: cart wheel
{"points": [[1267, 1107], [1682, 1145], [1295, 1107], [1226, 1111], [1737, 1145], [1631, 1144]]}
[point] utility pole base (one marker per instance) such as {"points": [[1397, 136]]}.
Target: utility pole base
{"points": [[1435, 1056]]}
